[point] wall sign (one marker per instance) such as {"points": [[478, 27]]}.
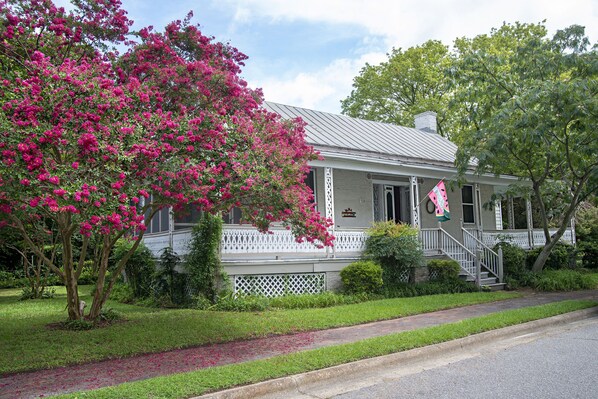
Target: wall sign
{"points": [[349, 213]]}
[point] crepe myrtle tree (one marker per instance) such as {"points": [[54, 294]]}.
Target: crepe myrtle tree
{"points": [[98, 142]]}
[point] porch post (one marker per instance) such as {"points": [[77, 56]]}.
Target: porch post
{"points": [[498, 214], [530, 222], [478, 208], [573, 229], [414, 192], [329, 198], [170, 228], [510, 213]]}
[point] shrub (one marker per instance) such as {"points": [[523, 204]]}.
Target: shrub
{"points": [[453, 286], [122, 293], [362, 277], [563, 280], [561, 256], [28, 293], [589, 254], [586, 228], [444, 269], [241, 303], [203, 261], [395, 247], [139, 268], [170, 286], [310, 301], [513, 258]]}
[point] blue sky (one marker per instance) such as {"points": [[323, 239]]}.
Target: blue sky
{"points": [[306, 52]]}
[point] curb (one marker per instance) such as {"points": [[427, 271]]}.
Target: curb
{"points": [[360, 367]]}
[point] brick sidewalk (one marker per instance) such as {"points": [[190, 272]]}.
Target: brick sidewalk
{"points": [[112, 372]]}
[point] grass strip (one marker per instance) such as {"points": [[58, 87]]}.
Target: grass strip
{"points": [[199, 382], [27, 344]]}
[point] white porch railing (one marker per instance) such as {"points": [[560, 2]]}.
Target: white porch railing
{"points": [[246, 240], [522, 238]]}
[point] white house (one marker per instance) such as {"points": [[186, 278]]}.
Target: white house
{"points": [[371, 171]]}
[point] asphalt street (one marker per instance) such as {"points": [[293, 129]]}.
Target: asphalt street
{"points": [[560, 364]]}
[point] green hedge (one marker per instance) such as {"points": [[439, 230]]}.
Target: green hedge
{"points": [[444, 269], [362, 277]]}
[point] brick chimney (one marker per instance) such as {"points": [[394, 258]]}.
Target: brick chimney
{"points": [[426, 121]]}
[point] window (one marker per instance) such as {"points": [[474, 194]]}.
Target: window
{"points": [[183, 219], [310, 181], [234, 216], [467, 201], [159, 222]]}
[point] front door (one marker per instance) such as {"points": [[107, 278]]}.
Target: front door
{"points": [[392, 202]]}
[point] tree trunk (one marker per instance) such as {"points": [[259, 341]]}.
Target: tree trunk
{"points": [[70, 280], [99, 297], [545, 253]]}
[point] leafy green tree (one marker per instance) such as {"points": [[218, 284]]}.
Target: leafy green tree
{"points": [[532, 112], [410, 82]]}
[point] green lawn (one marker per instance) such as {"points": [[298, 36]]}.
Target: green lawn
{"points": [[185, 385], [27, 344]]}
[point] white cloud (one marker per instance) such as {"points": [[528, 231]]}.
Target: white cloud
{"points": [[406, 23], [396, 23], [321, 90]]}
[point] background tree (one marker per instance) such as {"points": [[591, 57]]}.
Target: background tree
{"points": [[98, 143], [532, 113], [410, 82]]}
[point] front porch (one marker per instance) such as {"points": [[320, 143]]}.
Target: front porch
{"points": [[247, 253], [353, 195]]}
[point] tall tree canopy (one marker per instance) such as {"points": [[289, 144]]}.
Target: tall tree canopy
{"points": [[516, 101], [410, 82], [532, 112], [99, 142]]}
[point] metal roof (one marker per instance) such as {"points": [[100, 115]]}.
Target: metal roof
{"points": [[339, 132]]}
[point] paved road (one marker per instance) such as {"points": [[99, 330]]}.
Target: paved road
{"points": [[562, 364]]}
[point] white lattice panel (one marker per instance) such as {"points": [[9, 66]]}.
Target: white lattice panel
{"points": [[271, 285], [404, 277]]}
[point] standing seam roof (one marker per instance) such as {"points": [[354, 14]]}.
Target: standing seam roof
{"points": [[341, 131]]}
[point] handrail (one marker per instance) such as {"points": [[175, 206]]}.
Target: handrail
{"points": [[464, 256], [490, 259]]}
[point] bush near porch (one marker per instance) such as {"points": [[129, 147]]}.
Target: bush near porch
{"points": [[560, 274], [396, 247]]}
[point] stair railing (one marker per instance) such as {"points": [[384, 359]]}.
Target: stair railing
{"points": [[489, 259], [452, 248]]}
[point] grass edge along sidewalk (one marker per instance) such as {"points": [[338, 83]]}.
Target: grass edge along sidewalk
{"points": [[199, 382], [28, 345]]}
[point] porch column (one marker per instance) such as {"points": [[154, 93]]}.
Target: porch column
{"points": [[414, 192], [530, 222], [498, 214], [573, 229], [170, 228], [510, 213], [329, 200], [478, 210]]}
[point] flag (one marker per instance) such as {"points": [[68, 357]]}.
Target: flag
{"points": [[440, 200]]}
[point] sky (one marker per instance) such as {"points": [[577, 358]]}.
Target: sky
{"points": [[307, 52]]}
